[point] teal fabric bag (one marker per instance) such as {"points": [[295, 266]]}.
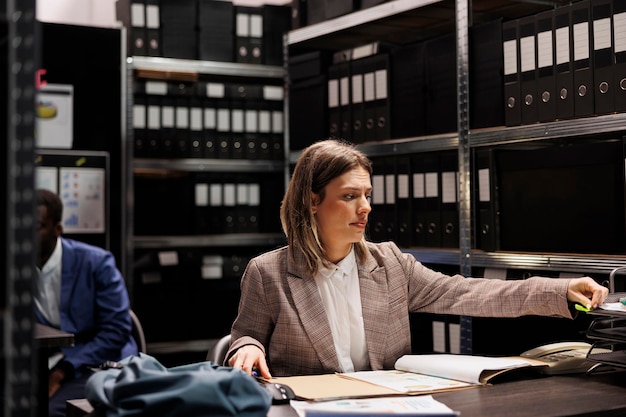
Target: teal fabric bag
{"points": [[144, 387]]}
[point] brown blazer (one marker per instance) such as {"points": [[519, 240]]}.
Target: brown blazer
{"points": [[282, 312]]}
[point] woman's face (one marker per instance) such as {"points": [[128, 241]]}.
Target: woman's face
{"points": [[342, 215]]}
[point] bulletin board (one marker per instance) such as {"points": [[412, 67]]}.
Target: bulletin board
{"points": [[80, 178]]}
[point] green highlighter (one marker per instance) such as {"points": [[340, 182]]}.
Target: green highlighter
{"points": [[581, 307]]}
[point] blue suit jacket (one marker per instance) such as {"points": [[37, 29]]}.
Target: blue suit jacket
{"points": [[94, 306]]}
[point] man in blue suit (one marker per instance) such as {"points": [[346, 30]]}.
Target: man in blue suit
{"points": [[78, 290]]}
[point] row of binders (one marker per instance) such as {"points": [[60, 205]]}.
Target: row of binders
{"points": [[382, 91], [565, 63], [173, 119], [207, 204], [209, 30], [525, 199]]}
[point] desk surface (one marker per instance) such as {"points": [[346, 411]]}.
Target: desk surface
{"points": [[600, 395], [46, 337]]}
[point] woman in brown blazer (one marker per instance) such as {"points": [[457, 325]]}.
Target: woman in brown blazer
{"points": [[332, 302]]}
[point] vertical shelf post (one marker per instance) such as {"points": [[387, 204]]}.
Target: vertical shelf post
{"points": [[465, 233]]}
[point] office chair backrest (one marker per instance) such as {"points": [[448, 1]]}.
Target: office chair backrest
{"points": [[137, 332], [217, 353]]}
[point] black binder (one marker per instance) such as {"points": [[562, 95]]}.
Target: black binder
{"points": [[619, 81], [382, 123], [528, 69], [564, 54], [182, 133], [153, 104], [334, 114], [486, 216], [216, 30], [196, 125], [603, 56], [153, 28], [138, 44], [441, 105], [307, 112], [223, 129], [345, 105], [178, 29], [237, 128], [486, 86], [426, 199], [249, 35], [391, 193], [583, 63], [167, 137], [209, 125], [140, 116], [376, 218], [408, 90], [357, 72], [546, 67], [449, 199], [510, 50], [404, 212], [276, 22]]}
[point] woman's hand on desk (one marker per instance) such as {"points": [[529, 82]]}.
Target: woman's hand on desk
{"points": [[587, 292], [250, 358]]}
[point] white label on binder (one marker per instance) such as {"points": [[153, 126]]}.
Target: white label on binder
{"points": [[495, 273], [154, 117], [273, 93], [215, 191], [378, 189], [454, 330], [484, 187], [448, 187], [432, 184], [139, 116], [256, 26], [237, 119], [252, 123], [602, 33], [242, 194], [265, 121], [344, 91], [562, 46], [527, 53], [510, 57], [242, 25], [418, 186], [581, 41], [201, 194], [403, 186], [157, 88], [152, 16], [333, 93], [210, 119], [167, 258], [223, 120], [381, 84], [390, 189], [230, 196], [215, 90], [369, 87], [137, 16], [167, 115], [357, 88], [544, 50], [255, 195], [439, 336], [195, 118], [182, 117], [277, 122], [619, 31]]}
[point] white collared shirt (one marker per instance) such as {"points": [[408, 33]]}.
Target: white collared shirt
{"points": [[48, 291], [339, 288]]}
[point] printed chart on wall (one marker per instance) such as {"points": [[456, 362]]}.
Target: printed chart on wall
{"points": [[81, 180]]}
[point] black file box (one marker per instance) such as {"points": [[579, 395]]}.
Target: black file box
{"points": [[307, 112], [441, 107], [178, 29], [216, 30], [276, 22], [408, 90]]}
